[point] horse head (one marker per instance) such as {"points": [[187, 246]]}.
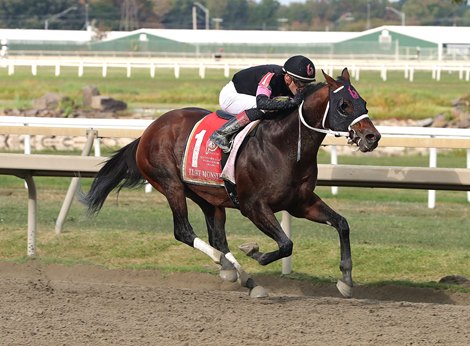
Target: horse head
{"points": [[347, 113]]}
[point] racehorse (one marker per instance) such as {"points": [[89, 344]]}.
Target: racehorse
{"points": [[275, 170]]}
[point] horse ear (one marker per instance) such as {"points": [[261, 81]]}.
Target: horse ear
{"points": [[328, 79], [345, 74]]}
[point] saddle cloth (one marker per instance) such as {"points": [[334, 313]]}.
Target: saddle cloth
{"points": [[201, 160]]}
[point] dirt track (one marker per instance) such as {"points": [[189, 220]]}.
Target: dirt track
{"points": [[84, 305]]}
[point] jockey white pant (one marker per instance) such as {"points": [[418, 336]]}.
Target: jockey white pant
{"points": [[233, 102]]}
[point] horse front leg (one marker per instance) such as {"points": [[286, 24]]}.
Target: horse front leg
{"points": [[318, 211], [263, 217]]}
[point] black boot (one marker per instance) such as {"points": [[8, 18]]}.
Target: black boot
{"points": [[222, 137]]}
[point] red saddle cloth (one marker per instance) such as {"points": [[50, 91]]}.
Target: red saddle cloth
{"points": [[201, 161]]}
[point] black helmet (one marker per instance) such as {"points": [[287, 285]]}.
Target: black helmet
{"points": [[300, 68]]}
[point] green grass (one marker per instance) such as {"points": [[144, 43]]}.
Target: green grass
{"points": [[394, 98], [394, 236]]}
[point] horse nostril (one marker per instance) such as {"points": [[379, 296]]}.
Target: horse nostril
{"points": [[372, 138]]}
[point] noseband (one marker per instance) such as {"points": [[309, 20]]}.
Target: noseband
{"points": [[350, 134]]}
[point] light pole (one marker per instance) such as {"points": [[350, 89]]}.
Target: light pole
{"points": [[345, 17], [398, 13], [55, 16], [206, 12]]}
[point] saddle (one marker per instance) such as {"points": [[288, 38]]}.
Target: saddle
{"points": [[204, 163]]}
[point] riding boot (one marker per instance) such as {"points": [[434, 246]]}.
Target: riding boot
{"points": [[222, 136]]}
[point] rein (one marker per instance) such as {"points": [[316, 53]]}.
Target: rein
{"points": [[323, 130]]}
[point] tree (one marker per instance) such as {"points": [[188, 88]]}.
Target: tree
{"points": [[33, 14]]}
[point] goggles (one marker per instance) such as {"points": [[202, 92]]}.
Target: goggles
{"points": [[301, 85]]}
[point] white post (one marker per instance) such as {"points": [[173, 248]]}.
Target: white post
{"points": [[432, 164], [104, 69], [32, 216], [57, 69], [334, 161], [286, 226], [27, 150], [468, 166], [80, 69], [97, 146], [226, 71], [128, 72], [412, 73], [202, 71], [152, 70], [11, 69], [177, 71], [384, 73], [34, 69]]}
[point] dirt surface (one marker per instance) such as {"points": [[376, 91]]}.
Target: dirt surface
{"points": [[85, 305]]}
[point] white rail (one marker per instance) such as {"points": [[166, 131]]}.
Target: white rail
{"points": [[393, 136], [408, 68]]}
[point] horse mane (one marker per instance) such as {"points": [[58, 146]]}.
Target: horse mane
{"points": [[312, 88]]}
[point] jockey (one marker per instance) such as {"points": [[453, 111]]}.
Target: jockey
{"points": [[257, 89]]}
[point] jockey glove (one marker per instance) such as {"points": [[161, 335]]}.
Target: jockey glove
{"points": [[278, 104]]}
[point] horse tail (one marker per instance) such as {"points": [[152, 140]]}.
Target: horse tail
{"points": [[120, 170]]}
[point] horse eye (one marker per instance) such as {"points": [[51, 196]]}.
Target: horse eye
{"points": [[342, 107]]}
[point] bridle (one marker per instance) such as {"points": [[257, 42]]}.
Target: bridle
{"points": [[350, 134]]}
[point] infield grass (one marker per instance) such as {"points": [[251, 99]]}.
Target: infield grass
{"points": [[394, 98]]}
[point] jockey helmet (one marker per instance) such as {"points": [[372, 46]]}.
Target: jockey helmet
{"points": [[300, 68]]}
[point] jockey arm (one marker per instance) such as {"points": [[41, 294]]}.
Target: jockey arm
{"points": [[265, 102]]}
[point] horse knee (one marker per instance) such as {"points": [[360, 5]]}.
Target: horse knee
{"points": [[285, 249]]}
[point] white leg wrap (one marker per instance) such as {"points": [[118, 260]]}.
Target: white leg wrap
{"points": [[241, 273], [233, 260], [208, 250]]}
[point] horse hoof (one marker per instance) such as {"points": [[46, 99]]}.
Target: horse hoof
{"points": [[258, 292], [249, 248], [344, 289], [229, 275]]}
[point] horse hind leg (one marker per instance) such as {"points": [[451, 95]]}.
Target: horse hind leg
{"points": [[183, 232]]}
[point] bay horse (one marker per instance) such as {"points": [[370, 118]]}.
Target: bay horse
{"points": [[276, 170]]}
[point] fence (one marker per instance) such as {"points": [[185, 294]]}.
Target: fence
{"points": [[408, 68], [408, 137]]}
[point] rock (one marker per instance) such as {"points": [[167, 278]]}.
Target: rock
{"points": [[424, 122], [48, 101], [88, 92], [439, 121], [107, 104]]}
